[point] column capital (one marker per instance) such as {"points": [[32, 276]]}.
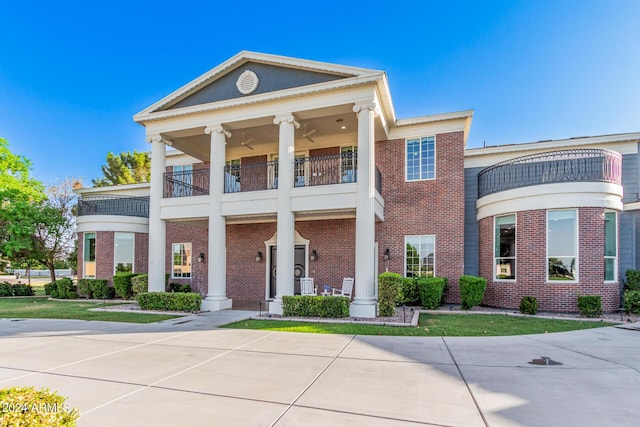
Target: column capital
{"points": [[217, 128], [366, 106], [286, 118], [156, 137]]}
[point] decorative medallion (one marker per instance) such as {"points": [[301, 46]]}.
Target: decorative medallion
{"points": [[247, 82]]}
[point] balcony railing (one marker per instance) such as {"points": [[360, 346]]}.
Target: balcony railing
{"points": [[251, 177], [114, 205], [580, 165], [186, 183]]}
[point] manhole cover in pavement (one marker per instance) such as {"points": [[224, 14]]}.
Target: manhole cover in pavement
{"points": [[544, 361]]}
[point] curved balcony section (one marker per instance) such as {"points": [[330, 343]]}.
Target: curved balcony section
{"points": [[114, 205], [580, 165]]}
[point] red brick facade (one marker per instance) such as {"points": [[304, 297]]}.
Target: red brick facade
{"points": [[531, 264]]}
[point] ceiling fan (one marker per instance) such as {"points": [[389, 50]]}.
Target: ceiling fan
{"points": [[307, 133], [245, 143]]}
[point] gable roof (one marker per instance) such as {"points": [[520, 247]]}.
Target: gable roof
{"points": [[213, 86]]}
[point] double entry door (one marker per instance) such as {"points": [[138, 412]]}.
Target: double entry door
{"points": [[299, 268]]}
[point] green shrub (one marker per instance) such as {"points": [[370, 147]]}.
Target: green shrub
{"points": [[49, 287], [590, 305], [6, 289], [64, 289], [178, 287], [170, 301], [631, 302], [26, 406], [100, 289], [84, 288], [471, 291], [122, 284], [528, 305], [315, 306], [140, 284], [633, 280], [389, 285], [23, 290], [408, 292], [430, 289]]}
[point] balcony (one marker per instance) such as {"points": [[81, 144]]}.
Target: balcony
{"points": [[580, 165], [308, 172], [114, 205]]}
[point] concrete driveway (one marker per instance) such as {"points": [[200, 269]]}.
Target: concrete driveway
{"points": [[187, 372]]}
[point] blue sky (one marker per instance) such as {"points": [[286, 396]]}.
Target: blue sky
{"points": [[73, 73]]}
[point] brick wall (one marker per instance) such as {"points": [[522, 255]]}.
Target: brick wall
{"points": [[105, 268], [531, 264], [424, 207], [198, 237]]}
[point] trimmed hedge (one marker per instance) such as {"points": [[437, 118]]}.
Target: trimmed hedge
{"points": [[17, 290], [49, 287], [122, 284], [64, 289], [631, 302], [408, 292], [179, 287], [590, 305], [95, 288], [26, 406], [315, 306], [431, 289], [471, 291], [6, 289], [633, 280], [389, 285], [169, 301], [140, 284], [528, 305]]}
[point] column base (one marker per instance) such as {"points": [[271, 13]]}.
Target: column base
{"points": [[275, 307], [215, 304], [367, 310]]}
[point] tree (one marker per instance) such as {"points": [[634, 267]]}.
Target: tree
{"points": [[125, 168]]}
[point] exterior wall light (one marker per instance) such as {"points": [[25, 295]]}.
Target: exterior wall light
{"points": [[259, 256], [200, 258], [386, 255], [313, 256]]}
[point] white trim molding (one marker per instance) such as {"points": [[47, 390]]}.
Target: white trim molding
{"points": [[130, 224], [551, 196]]}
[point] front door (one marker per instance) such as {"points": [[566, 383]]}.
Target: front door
{"points": [[299, 268]]}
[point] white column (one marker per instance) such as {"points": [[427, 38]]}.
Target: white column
{"points": [[217, 257], [364, 303], [286, 219], [157, 228]]}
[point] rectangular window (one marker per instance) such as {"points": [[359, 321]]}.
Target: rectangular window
{"points": [[183, 180], [349, 164], [421, 158], [89, 256], [123, 252], [232, 176], [562, 245], [610, 247], [181, 255], [420, 256], [505, 247]]}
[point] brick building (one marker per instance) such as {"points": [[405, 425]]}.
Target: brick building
{"points": [[267, 169]]}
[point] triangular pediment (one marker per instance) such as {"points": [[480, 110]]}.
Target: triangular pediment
{"points": [[250, 74]]}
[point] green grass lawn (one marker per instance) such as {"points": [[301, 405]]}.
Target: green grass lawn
{"points": [[42, 308], [432, 325]]}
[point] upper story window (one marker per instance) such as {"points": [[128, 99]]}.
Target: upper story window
{"points": [[183, 180], [349, 163], [610, 247], [421, 158], [562, 245], [504, 235], [232, 176]]}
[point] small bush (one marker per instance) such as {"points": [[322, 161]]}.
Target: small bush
{"points": [[170, 301], [528, 305], [178, 287], [49, 287], [100, 289], [64, 289], [6, 289], [122, 284], [315, 306], [590, 305], [26, 406], [431, 289], [631, 302], [471, 291], [389, 285], [140, 284], [408, 293], [633, 280], [84, 288], [23, 290]]}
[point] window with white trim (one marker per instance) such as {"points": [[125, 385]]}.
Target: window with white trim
{"points": [[183, 180], [123, 252], [181, 256], [349, 163], [504, 252], [610, 247], [89, 256], [562, 245], [420, 256], [232, 176], [421, 158]]}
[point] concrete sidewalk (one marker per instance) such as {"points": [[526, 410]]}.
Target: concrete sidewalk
{"points": [[172, 373]]}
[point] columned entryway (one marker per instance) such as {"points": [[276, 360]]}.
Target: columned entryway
{"points": [[157, 227]]}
